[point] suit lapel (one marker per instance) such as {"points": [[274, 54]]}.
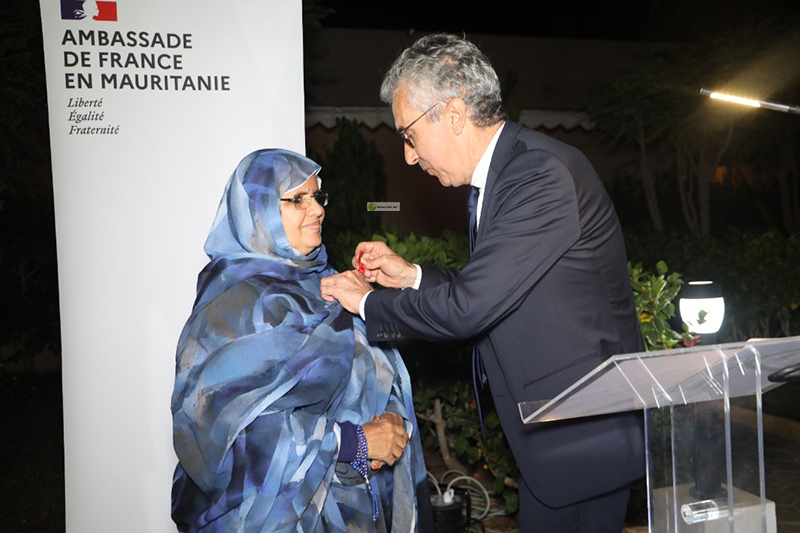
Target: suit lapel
{"points": [[501, 155]]}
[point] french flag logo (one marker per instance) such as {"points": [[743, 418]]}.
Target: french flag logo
{"points": [[88, 10]]}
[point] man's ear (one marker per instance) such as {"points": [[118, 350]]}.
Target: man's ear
{"points": [[455, 115]]}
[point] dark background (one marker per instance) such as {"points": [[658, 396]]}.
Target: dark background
{"points": [[655, 20], [31, 452]]}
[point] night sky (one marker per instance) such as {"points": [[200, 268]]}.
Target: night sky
{"points": [[655, 20]]}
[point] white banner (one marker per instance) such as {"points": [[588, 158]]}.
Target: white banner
{"points": [[152, 104]]}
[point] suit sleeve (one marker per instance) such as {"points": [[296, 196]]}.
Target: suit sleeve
{"points": [[433, 276], [532, 220]]}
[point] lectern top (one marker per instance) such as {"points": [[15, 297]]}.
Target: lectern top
{"points": [[644, 380]]}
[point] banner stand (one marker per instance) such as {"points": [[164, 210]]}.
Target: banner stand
{"points": [[152, 105]]}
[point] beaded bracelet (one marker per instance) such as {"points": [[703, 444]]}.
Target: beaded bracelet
{"points": [[360, 466]]}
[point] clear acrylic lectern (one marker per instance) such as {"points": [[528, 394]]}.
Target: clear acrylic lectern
{"points": [[703, 428]]}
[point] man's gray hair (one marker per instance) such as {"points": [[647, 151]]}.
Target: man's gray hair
{"points": [[440, 67]]}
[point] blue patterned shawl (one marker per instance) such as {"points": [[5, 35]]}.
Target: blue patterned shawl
{"points": [[265, 368]]}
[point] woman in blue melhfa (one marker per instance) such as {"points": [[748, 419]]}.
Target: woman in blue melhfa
{"points": [[285, 418]]}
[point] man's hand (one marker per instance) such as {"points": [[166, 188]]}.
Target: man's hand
{"points": [[348, 287], [385, 267], [386, 438]]}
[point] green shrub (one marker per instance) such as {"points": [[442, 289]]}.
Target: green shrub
{"points": [[352, 173], [757, 271], [654, 294]]}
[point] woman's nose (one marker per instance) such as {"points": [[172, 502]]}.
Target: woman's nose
{"points": [[315, 208]]}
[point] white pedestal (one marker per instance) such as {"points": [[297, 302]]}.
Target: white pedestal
{"points": [[747, 514]]}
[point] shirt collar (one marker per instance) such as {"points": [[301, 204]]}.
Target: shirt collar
{"points": [[481, 173]]}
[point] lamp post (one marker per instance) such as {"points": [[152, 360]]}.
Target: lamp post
{"points": [[702, 308]]}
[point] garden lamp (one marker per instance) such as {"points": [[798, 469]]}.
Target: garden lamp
{"points": [[775, 106], [702, 307]]}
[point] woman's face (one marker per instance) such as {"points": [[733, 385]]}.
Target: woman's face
{"points": [[303, 227]]}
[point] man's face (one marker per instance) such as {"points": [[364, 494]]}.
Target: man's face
{"points": [[434, 144]]}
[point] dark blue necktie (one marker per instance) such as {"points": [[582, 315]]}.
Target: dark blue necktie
{"points": [[472, 207], [478, 373]]}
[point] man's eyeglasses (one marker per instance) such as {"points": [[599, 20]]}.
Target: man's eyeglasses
{"points": [[402, 131], [303, 201]]}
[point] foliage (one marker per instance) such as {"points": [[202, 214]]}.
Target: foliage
{"points": [[460, 417], [29, 320], [758, 273], [28, 279], [770, 169], [511, 105], [451, 250], [654, 105], [654, 294], [352, 173], [756, 270]]}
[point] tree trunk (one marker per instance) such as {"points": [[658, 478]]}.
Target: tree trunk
{"points": [[450, 461], [705, 169], [648, 181], [705, 173], [795, 172], [685, 188], [788, 185]]}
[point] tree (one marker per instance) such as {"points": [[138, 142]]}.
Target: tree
{"points": [[352, 173], [636, 107], [788, 175], [773, 139], [655, 105], [700, 143]]}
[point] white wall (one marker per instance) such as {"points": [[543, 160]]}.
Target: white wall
{"points": [[132, 212]]}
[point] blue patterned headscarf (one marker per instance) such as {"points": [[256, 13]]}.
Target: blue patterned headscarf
{"points": [[266, 368]]}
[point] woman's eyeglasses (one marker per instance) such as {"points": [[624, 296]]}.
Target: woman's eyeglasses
{"points": [[303, 201]]}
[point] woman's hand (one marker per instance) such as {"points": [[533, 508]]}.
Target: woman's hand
{"points": [[386, 438], [383, 266], [348, 287]]}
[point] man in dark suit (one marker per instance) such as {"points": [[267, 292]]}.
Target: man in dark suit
{"points": [[545, 295]]}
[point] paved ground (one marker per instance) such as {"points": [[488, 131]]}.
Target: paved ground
{"points": [[782, 457], [782, 462]]}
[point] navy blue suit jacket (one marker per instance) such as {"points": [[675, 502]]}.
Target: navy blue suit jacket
{"points": [[547, 297]]}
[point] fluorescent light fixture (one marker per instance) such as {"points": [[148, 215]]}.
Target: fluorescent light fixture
{"points": [[735, 99], [775, 106]]}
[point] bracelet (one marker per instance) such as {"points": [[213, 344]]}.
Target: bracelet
{"points": [[360, 466]]}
